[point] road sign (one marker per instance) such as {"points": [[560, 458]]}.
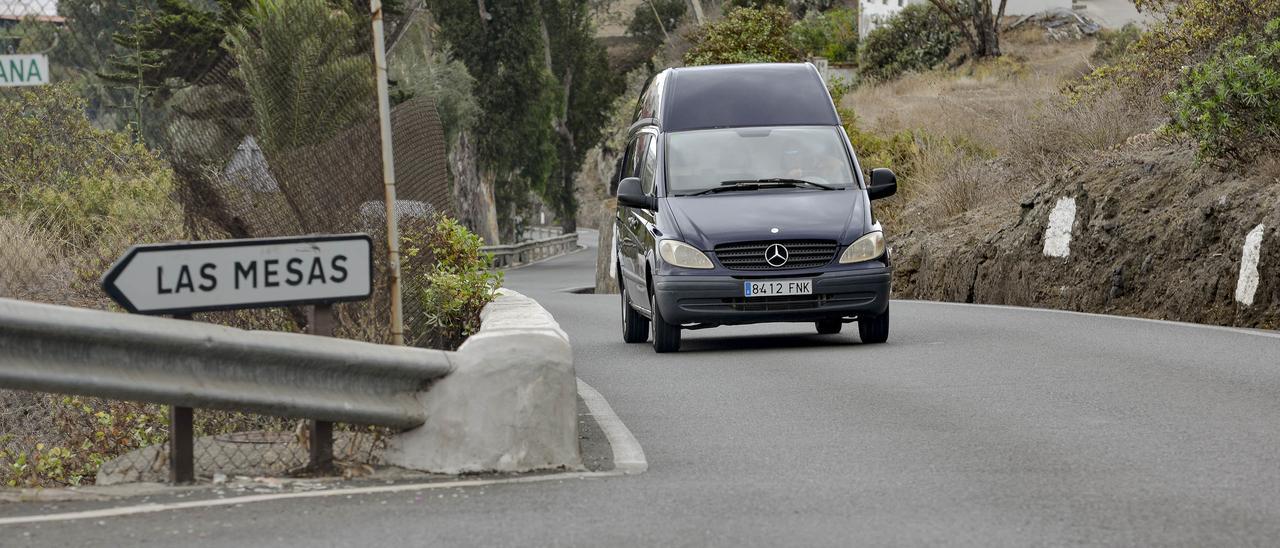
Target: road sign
{"points": [[231, 274], [24, 70]]}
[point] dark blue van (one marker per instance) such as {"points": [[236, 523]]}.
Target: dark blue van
{"points": [[740, 200]]}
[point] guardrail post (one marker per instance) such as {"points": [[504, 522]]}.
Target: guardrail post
{"points": [[181, 445], [321, 323], [182, 464]]}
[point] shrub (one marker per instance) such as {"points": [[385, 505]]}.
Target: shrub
{"points": [[831, 34], [746, 35], [52, 440], [1113, 44], [644, 26], [451, 292], [917, 38], [1230, 103], [1186, 33], [76, 178]]}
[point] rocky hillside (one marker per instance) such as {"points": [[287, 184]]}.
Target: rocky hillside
{"points": [[1149, 233]]}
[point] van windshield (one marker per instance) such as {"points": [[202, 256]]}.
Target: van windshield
{"points": [[704, 159]]}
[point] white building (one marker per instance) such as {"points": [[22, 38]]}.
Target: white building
{"points": [[873, 13]]}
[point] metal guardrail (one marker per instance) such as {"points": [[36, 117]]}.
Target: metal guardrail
{"points": [[509, 255], [68, 350]]}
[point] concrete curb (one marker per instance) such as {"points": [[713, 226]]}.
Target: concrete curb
{"points": [[510, 405]]}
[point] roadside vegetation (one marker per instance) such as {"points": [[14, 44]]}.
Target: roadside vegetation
{"points": [[90, 166]]}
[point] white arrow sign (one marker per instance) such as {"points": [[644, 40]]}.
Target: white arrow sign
{"points": [[229, 274]]}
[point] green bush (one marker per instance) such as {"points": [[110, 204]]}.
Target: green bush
{"points": [[1114, 44], [1185, 33], [831, 34], [85, 185], [746, 35], [917, 38], [1230, 103], [453, 290]]}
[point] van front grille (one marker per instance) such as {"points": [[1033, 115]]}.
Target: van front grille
{"points": [[800, 254]]}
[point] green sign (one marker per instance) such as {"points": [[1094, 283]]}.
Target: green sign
{"points": [[24, 70]]}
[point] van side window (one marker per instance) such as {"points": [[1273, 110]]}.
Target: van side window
{"points": [[649, 164], [629, 168]]}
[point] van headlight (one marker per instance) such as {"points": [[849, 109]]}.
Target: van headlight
{"points": [[869, 246], [683, 255]]}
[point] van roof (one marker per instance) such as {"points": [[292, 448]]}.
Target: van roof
{"points": [[772, 94]]}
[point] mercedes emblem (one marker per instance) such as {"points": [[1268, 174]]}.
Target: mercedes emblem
{"points": [[775, 255]]}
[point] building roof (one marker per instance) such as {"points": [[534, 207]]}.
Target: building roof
{"points": [[773, 94], [55, 19]]}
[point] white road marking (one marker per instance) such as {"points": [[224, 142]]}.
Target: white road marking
{"points": [[628, 458], [1236, 330], [1057, 237], [1247, 286]]}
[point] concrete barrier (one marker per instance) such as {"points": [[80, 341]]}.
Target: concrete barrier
{"points": [[509, 405]]}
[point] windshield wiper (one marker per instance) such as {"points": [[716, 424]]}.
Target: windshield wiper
{"points": [[756, 184], [780, 181]]}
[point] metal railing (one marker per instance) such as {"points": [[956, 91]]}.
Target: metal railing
{"points": [[509, 255], [59, 349], [432, 393]]}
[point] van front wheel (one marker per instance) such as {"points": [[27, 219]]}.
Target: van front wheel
{"points": [[666, 337], [874, 330]]}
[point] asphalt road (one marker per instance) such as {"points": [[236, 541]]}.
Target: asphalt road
{"points": [[973, 426]]}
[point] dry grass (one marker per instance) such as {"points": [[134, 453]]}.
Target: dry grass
{"points": [[33, 266], [988, 132]]}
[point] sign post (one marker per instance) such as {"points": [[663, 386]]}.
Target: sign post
{"points": [[184, 278], [321, 323]]}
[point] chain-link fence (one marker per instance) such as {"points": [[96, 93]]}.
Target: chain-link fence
{"points": [[194, 120]]}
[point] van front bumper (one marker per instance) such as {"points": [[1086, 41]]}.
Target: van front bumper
{"points": [[719, 300]]}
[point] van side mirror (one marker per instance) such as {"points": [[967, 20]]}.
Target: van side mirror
{"points": [[631, 194], [883, 184]]}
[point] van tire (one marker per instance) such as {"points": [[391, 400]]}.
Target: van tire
{"points": [[635, 328], [828, 327], [874, 330], [666, 337]]}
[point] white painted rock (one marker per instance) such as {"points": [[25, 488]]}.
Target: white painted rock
{"points": [[1057, 237], [1247, 286]]}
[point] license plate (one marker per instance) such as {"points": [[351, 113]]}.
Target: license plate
{"points": [[770, 288]]}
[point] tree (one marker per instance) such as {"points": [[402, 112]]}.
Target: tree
{"points": [[502, 45], [587, 88], [746, 35], [654, 21], [977, 21], [304, 72]]}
